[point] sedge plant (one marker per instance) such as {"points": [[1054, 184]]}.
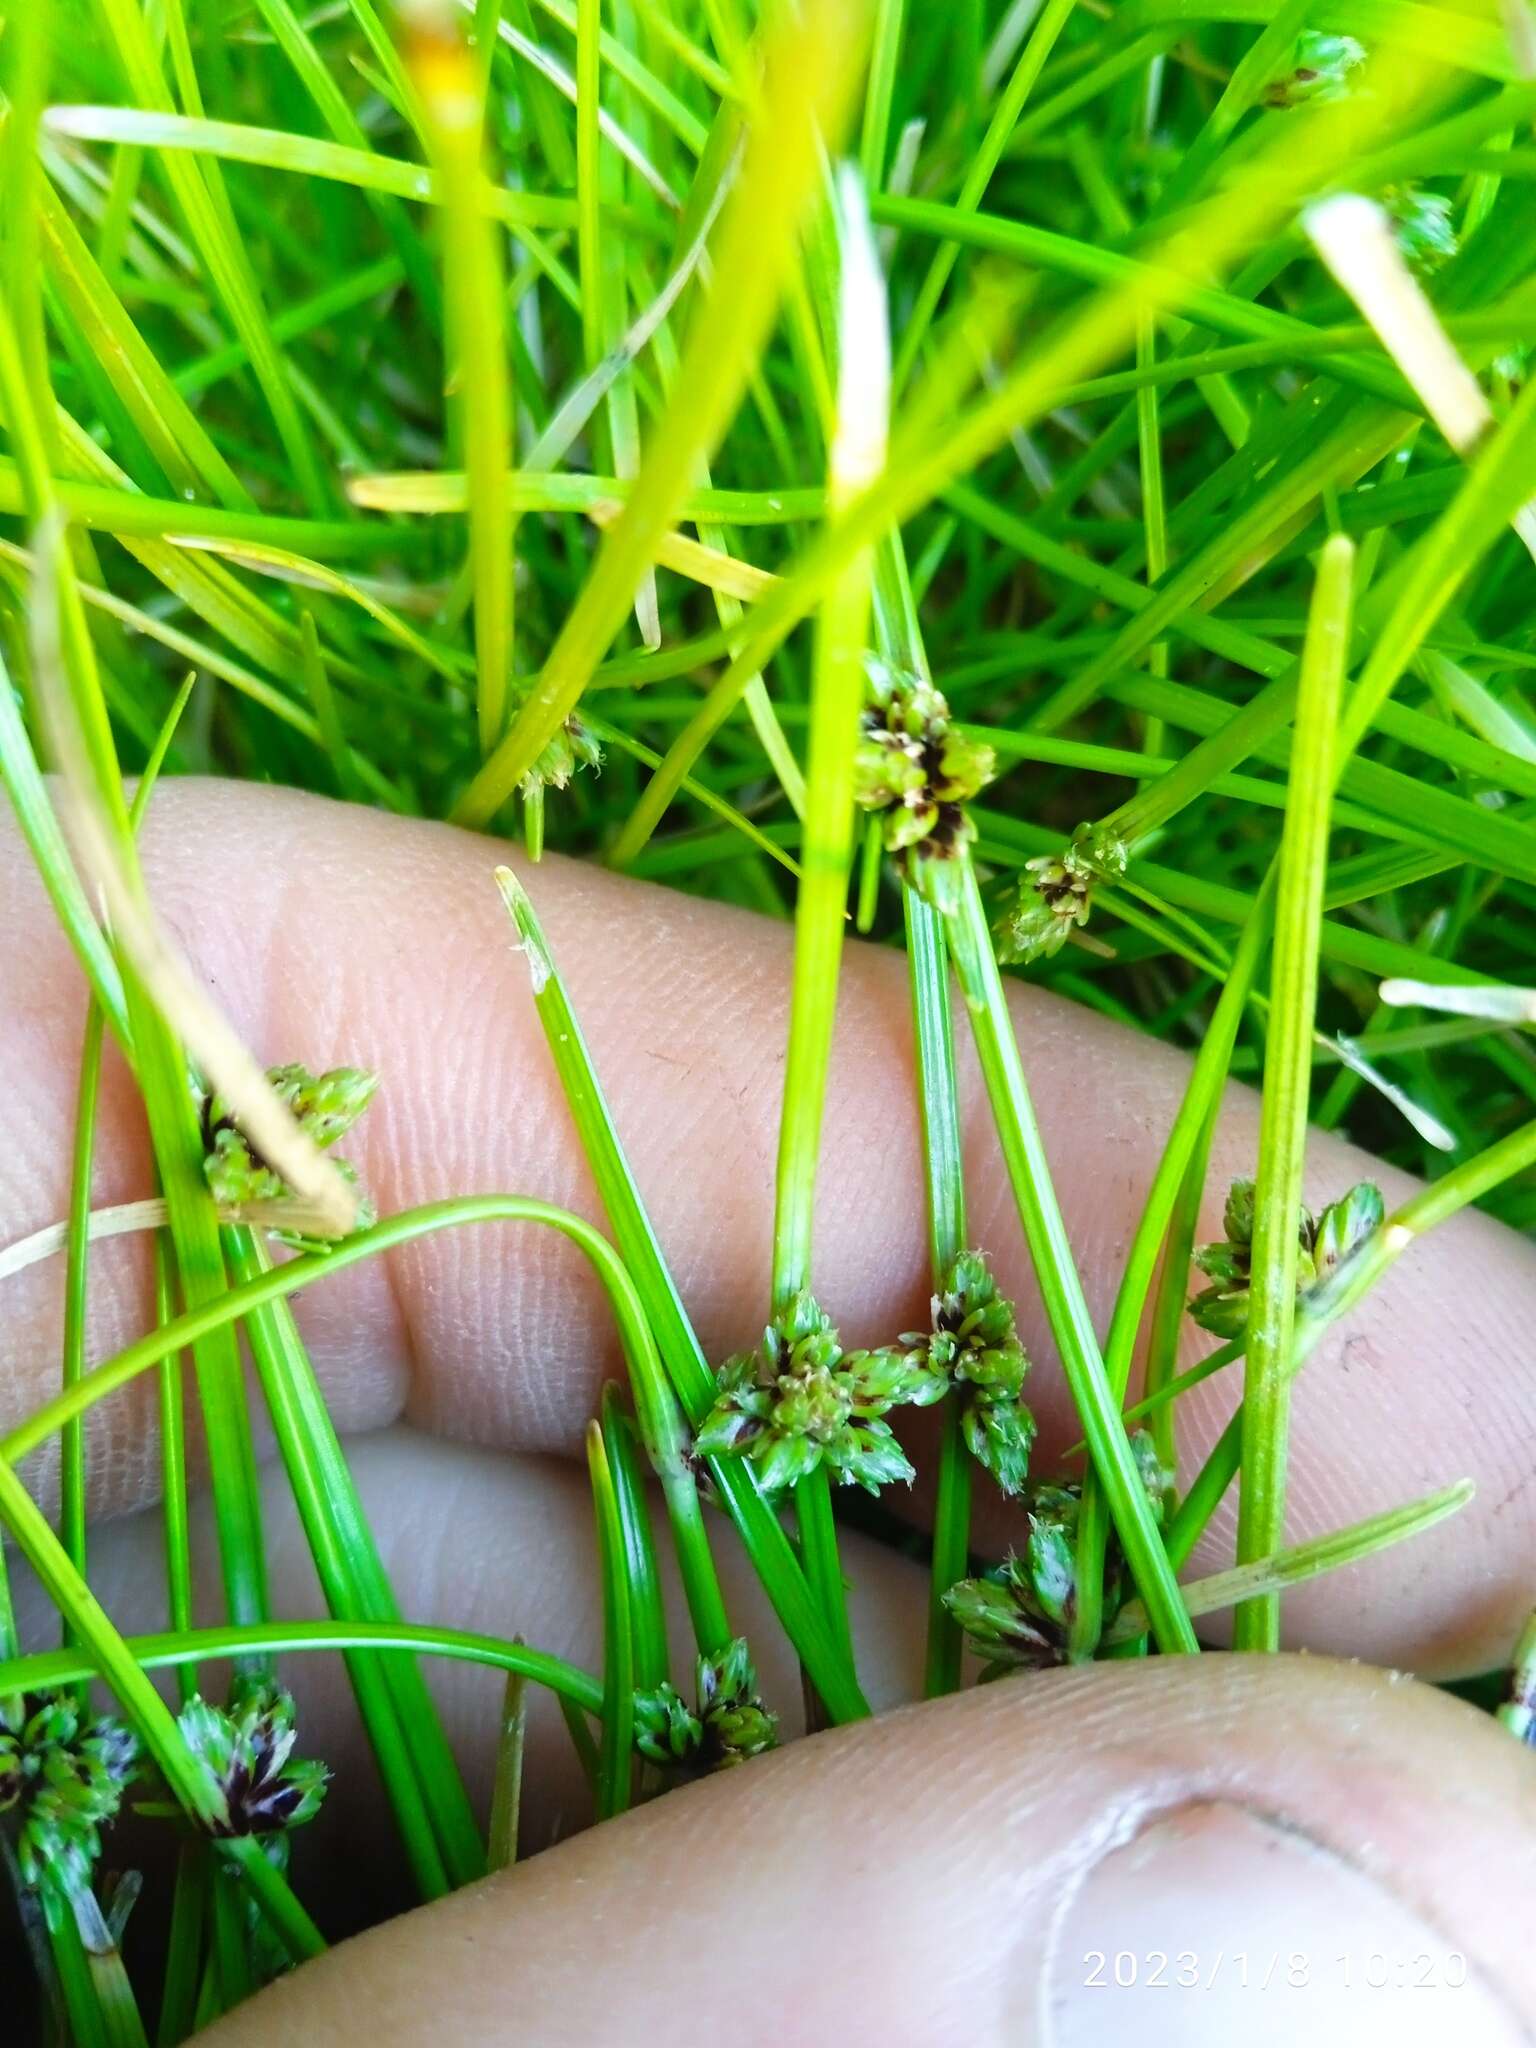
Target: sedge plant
{"points": [[1049, 491]]}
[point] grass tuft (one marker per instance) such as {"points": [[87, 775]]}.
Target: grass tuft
{"points": [[453, 404]]}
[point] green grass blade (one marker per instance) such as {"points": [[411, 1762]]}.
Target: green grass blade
{"points": [[416, 1765], [616, 1746], [1287, 1084], [756, 240], [1268, 1577], [1060, 1287], [447, 82]]}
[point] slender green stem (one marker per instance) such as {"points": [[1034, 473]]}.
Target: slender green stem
{"points": [[72, 1503], [944, 1177], [184, 1943], [1168, 1302], [761, 1535], [884, 62], [448, 80], [72, 1485], [88, 2023], [68, 679], [415, 1763], [826, 857], [1047, 28], [1060, 1287], [173, 1459], [664, 1411], [507, 1789], [170, 1651], [809, 70], [223, 255], [1268, 1577], [1288, 1083], [616, 1746], [579, 1728], [1202, 1097], [282, 1281], [637, 1552]]}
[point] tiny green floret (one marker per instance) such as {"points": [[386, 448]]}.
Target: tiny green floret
{"points": [[1057, 895], [573, 746], [1321, 69], [729, 1725], [800, 1402], [325, 1106], [62, 1777], [1423, 225], [974, 1349], [1018, 1617], [917, 772], [1328, 1242], [259, 1786]]}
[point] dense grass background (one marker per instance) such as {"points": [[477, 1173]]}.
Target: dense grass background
{"points": [[1030, 568]]}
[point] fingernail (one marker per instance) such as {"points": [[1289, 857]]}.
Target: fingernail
{"points": [[1212, 1925]]}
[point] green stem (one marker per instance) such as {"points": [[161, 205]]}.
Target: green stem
{"points": [[944, 1177], [1168, 1301], [616, 1747], [1202, 1097], [637, 1547], [49, 1668], [85, 2017], [415, 1764], [184, 1943], [1060, 1287], [660, 1408], [507, 1789], [173, 1461], [1268, 1577], [76, 1285], [474, 296], [1005, 116], [826, 855], [1288, 1084]]}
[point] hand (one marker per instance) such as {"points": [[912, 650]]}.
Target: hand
{"points": [[949, 1872]]}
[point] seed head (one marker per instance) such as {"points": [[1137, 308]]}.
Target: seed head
{"points": [[1321, 69], [1056, 894], [1423, 226], [974, 1349], [63, 1776], [1326, 1244], [260, 1786], [1019, 1616], [730, 1725], [800, 1401], [572, 747], [326, 1107], [918, 773]]}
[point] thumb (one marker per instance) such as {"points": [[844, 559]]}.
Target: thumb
{"points": [[1265, 1849]]}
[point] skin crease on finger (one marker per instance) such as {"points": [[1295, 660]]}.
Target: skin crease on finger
{"points": [[945, 1874], [332, 934]]}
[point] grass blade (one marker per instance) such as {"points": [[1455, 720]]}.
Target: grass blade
{"points": [[1287, 1085], [756, 241]]}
